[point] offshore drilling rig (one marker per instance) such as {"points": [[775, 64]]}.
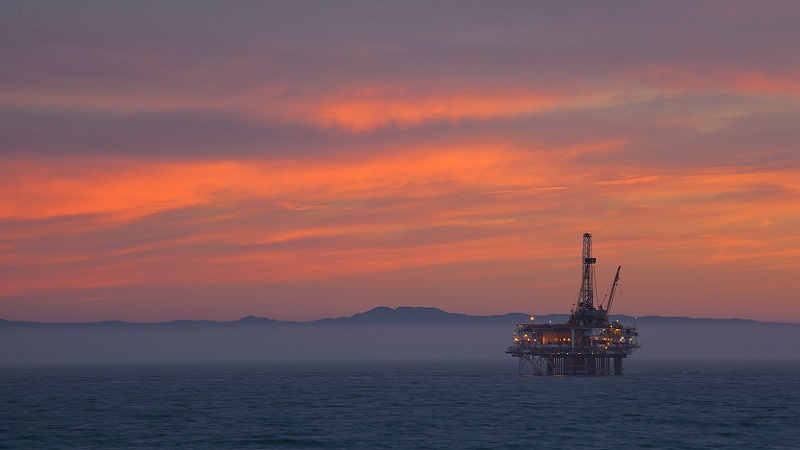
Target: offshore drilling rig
{"points": [[588, 344]]}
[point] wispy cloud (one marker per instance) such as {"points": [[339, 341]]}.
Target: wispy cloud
{"points": [[331, 156]]}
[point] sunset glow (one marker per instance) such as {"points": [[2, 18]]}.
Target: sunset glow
{"points": [[153, 168]]}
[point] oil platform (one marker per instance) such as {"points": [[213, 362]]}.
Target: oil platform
{"points": [[588, 344]]}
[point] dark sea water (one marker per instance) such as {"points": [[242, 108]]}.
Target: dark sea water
{"points": [[400, 405]]}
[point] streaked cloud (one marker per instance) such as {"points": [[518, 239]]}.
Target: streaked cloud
{"points": [[321, 158]]}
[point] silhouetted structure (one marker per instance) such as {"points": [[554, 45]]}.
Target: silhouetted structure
{"points": [[588, 344]]}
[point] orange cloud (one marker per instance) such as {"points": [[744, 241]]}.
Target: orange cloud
{"points": [[355, 110], [353, 210], [91, 224], [36, 189], [374, 108]]}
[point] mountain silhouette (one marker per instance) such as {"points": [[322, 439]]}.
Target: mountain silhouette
{"points": [[379, 333]]}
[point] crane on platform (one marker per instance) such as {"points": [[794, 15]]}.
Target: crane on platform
{"points": [[613, 290]]}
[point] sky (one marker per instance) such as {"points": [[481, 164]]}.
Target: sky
{"points": [[300, 160]]}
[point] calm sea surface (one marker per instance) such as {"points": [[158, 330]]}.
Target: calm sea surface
{"points": [[402, 405]]}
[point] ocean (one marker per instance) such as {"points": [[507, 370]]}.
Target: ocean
{"points": [[399, 405]]}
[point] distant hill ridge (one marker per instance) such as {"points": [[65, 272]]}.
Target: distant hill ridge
{"points": [[404, 333], [402, 315]]}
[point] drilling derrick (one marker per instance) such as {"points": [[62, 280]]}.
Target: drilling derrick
{"points": [[588, 344], [586, 314], [586, 299]]}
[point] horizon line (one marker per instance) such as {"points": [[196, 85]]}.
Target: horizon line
{"points": [[381, 307]]}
